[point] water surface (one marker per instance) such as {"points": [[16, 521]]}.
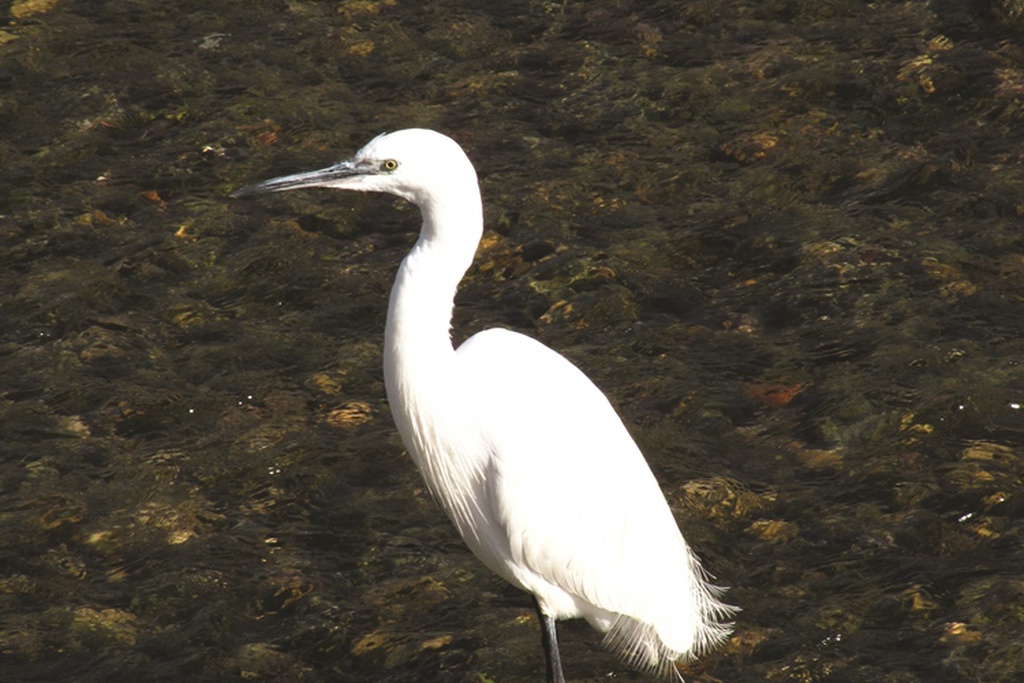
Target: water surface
{"points": [[784, 237]]}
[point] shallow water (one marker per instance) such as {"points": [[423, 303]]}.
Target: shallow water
{"points": [[785, 237]]}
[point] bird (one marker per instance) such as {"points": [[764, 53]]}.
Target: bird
{"points": [[522, 451]]}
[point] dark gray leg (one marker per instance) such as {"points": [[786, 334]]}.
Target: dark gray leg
{"points": [[549, 638]]}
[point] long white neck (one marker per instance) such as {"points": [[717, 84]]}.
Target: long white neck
{"points": [[420, 374]]}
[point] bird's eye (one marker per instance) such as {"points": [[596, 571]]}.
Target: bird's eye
{"points": [[389, 165]]}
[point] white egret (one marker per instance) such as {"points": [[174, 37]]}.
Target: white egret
{"points": [[526, 456]]}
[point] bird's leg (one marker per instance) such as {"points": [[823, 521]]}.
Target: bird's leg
{"points": [[549, 638]]}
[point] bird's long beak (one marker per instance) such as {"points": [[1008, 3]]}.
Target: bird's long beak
{"points": [[325, 177]]}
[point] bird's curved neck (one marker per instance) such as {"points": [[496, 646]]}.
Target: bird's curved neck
{"points": [[419, 360]]}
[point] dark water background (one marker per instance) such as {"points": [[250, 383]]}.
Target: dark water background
{"points": [[784, 236]]}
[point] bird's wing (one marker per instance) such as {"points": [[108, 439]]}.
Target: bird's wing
{"points": [[579, 503]]}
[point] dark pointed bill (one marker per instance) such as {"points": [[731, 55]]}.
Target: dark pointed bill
{"points": [[320, 178]]}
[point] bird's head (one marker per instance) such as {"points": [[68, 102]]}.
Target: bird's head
{"points": [[416, 164]]}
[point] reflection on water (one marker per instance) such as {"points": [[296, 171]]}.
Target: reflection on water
{"points": [[784, 236]]}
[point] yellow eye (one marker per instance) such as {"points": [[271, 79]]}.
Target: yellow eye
{"points": [[389, 165]]}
